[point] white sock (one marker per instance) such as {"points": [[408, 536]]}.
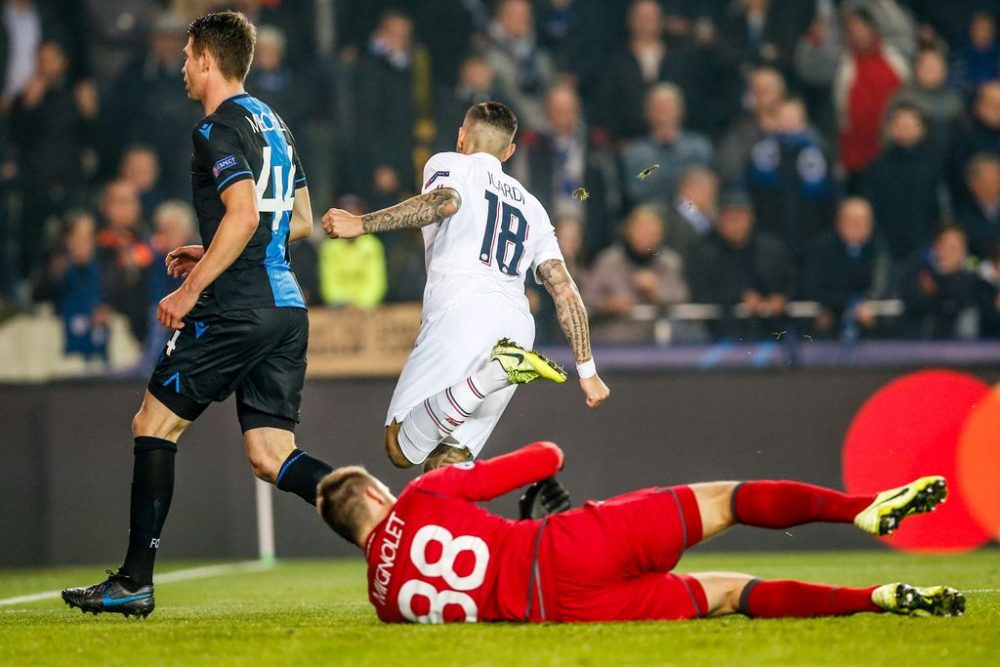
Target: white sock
{"points": [[436, 418]]}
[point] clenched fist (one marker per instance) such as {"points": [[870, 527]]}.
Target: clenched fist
{"points": [[340, 224]]}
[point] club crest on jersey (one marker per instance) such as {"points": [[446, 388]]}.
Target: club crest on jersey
{"points": [[437, 174], [223, 164]]}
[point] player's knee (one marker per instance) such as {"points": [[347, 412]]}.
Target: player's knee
{"points": [[264, 469], [265, 466], [140, 423], [265, 455]]}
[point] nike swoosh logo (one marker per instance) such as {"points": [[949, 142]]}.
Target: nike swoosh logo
{"points": [[109, 601], [898, 494], [514, 355]]}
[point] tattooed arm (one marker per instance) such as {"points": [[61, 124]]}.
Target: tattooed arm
{"points": [[420, 211], [573, 321]]}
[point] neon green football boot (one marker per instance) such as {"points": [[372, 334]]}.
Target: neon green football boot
{"points": [[890, 507], [524, 366], [912, 601]]}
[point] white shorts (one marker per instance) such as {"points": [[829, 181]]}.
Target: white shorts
{"points": [[451, 346]]}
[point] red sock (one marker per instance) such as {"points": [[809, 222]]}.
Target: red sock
{"points": [[782, 504], [777, 599]]}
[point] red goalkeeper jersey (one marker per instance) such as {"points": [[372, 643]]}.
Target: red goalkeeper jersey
{"points": [[440, 558]]}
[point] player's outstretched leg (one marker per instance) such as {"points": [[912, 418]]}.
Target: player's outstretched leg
{"points": [[425, 430], [912, 601], [730, 593], [783, 504], [884, 514]]}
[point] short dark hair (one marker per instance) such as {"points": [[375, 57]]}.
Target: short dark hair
{"points": [[495, 115], [867, 16], [910, 108], [230, 37], [340, 499], [977, 162], [949, 226], [393, 14]]}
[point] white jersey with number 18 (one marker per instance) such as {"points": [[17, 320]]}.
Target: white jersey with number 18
{"points": [[500, 233]]}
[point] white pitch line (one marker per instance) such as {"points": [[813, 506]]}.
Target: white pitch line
{"points": [[169, 577], [983, 590]]}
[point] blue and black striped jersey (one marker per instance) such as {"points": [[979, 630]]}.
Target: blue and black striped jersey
{"points": [[245, 140]]}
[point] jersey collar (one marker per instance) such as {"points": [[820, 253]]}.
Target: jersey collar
{"points": [[488, 156]]}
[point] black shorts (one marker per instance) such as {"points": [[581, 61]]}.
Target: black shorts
{"points": [[259, 353]]}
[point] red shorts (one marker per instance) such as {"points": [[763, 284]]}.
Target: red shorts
{"points": [[611, 560]]}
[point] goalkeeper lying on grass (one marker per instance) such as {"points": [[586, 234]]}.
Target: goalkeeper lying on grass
{"points": [[434, 556]]}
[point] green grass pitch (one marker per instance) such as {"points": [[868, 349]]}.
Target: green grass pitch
{"points": [[316, 613]]}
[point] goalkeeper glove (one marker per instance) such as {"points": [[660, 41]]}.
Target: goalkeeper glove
{"points": [[543, 498]]}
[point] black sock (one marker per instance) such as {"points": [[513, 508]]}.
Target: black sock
{"points": [[152, 488], [300, 474]]}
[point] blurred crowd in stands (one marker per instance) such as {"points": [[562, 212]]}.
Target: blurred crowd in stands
{"points": [[745, 153]]}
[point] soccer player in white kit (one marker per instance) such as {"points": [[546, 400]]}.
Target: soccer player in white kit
{"points": [[483, 233]]}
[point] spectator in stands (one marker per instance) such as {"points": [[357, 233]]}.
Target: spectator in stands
{"points": [[475, 84], [982, 136], [353, 272], [647, 60], [8, 186], [668, 145], [989, 295], [691, 215], [385, 108], [763, 33], [51, 126], [141, 167], [116, 31], [555, 23], [125, 256], [404, 251], [22, 28], [75, 276], [848, 268], [980, 218], [173, 227], [930, 92], [148, 104], [789, 180], [978, 61], [449, 29], [737, 266], [639, 270], [904, 185], [944, 21], [869, 75], [275, 82], [894, 23], [815, 63], [522, 69], [572, 237], [766, 90], [941, 292], [554, 164]]}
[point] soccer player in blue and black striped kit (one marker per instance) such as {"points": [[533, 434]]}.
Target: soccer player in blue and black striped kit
{"points": [[239, 319]]}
